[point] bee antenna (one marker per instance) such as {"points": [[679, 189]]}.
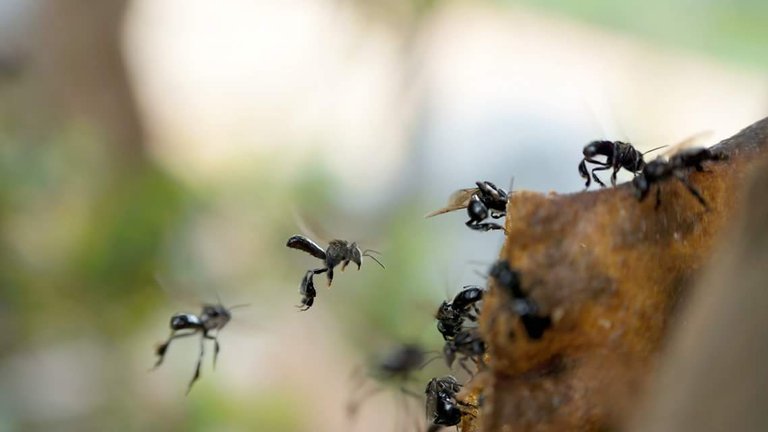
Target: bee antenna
{"points": [[654, 149], [423, 365], [239, 306], [366, 253]]}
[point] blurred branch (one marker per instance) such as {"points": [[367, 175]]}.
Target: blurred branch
{"points": [[79, 55], [713, 377], [610, 271]]}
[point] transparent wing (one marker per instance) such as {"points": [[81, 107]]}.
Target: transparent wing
{"points": [[694, 140], [457, 201], [310, 228]]}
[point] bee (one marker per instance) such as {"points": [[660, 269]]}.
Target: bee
{"points": [[337, 252], [485, 200], [443, 408], [469, 345], [508, 279], [396, 366], [451, 316], [677, 166], [618, 155], [212, 318]]}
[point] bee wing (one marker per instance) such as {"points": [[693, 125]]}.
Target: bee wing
{"points": [[304, 244], [457, 201], [310, 227], [691, 141], [431, 405], [176, 295]]}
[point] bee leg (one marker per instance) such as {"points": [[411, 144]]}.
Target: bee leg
{"points": [[199, 364], [355, 403], [463, 364], [328, 269], [162, 349], [584, 173], [215, 340], [344, 265], [691, 188], [483, 226], [596, 178], [613, 176]]}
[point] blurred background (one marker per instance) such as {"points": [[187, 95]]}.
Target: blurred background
{"points": [[186, 138]]}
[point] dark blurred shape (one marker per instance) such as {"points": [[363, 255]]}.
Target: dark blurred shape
{"points": [[10, 67], [80, 61], [714, 376]]}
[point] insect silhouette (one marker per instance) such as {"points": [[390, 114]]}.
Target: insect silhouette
{"points": [[451, 316], [212, 318], [396, 367], [485, 200], [678, 166], [337, 252], [468, 345], [443, 408], [508, 279], [618, 155]]}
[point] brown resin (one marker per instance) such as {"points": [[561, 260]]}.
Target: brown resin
{"points": [[610, 271]]}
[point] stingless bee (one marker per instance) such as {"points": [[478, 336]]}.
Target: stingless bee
{"points": [[678, 166], [508, 279], [212, 318], [443, 408], [485, 200], [618, 155], [337, 252], [397, 366], [451, 316], [469, 345]]}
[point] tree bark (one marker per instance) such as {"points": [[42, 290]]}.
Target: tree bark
{"points": [[611, 272]]}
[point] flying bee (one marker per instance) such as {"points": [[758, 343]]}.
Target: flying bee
{"points": [[678, 166], [212, 318], [338, 252], [521, 304], [485, 200], [451, 316], [443, 408], [618, 155], [469, 345], [396, 366]]}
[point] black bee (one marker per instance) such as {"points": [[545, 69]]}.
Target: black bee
{"points": [[451, 316], [469, 345], [443, 409], [534, 323], [338, 252], [678, 166], [618, 155], [400, 363], [481, 202], [396, 366], [212, 318]]}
